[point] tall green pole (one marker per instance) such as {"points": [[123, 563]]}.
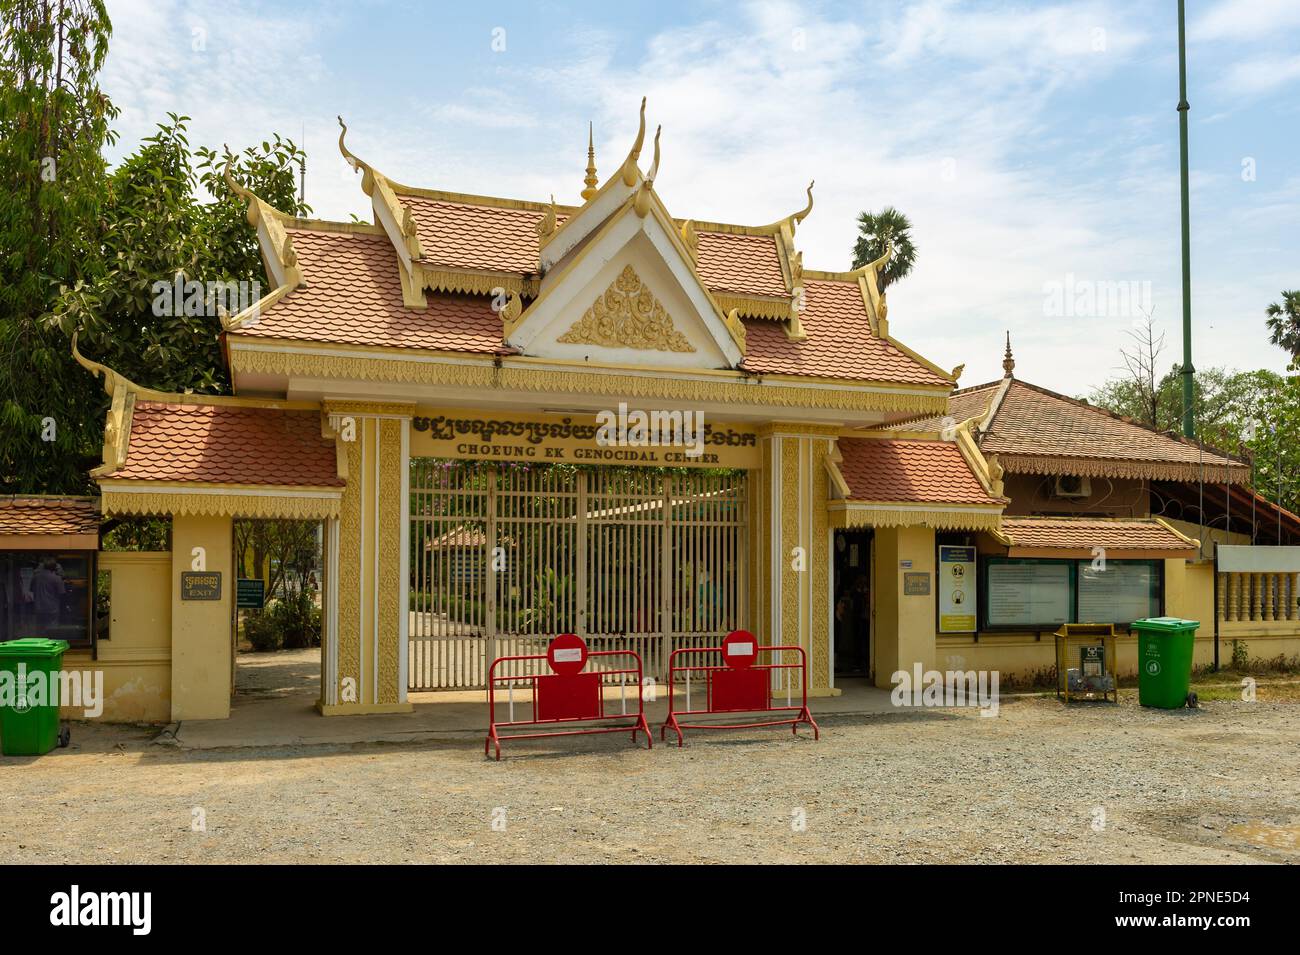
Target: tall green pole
{"points": [[1189, 372]]}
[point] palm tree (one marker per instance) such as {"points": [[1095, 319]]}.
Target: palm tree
{"points": [[1284, 323], [878, 231]]}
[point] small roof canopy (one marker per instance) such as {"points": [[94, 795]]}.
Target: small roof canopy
{"points": [[39, 522]]}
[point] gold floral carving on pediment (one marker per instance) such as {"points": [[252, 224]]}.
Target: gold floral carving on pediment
{"points": [[627, 315]]}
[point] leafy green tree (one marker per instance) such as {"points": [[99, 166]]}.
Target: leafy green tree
{"points": [[1284, 323], [54, 123], [157, 237], [1275, 444], [878, 231], [1253, 414]]}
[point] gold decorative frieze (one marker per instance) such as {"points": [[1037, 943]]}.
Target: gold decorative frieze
{"points": [[627, 315]]}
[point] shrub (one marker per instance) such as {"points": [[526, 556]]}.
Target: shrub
{"points": [[298, 619], [262, 630]]}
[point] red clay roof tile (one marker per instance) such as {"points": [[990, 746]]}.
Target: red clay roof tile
{"points": [[465, 236], [896, 469], [839, 342], [228, 444], [40, 515], [1034, 422], [353, 296], [737, 264], [1083, 534]]}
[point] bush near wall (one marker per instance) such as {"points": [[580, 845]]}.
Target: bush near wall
{"points": [[292, 623]]}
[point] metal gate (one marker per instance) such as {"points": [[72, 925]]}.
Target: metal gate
{"points": [[504, 557]]}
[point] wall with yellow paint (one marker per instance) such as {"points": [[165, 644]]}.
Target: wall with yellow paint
{"points": [[201, 646], [136, 659], [1189, 593], [902, 629]]}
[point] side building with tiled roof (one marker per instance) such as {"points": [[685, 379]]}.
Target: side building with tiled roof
{"points": [[1108, 520]]}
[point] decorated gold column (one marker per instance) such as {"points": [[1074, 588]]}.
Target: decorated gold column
{"points": [[792, 534], [363, 666]]}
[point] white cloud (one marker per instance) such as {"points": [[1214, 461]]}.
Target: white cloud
{"points": [[1263, 75], [1245, 20], [944, 110]]}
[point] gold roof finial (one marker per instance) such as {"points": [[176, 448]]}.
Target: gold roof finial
{"points": [[629, 170], [591, 182], [799, 216], [1008, 363]]}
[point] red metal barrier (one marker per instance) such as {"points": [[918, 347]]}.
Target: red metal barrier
{"points": [[738, 685], [566, 694]]}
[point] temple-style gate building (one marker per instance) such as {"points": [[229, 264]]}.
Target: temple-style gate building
{"points": [[437, 388]]}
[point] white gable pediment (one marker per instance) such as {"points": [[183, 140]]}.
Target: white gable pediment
{"points": [[628, 295]]}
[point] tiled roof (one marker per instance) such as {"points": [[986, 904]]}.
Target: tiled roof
{"points": [[1035, 423], [895, 469], [1033, 420], [466, 236], [962, 404], [839, 342], [738, 264], [46, 516], [1083, 534], [228, 444], [462, 535], [353, 296]]}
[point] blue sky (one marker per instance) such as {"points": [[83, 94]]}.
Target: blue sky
{"points": [[1033, 144]]}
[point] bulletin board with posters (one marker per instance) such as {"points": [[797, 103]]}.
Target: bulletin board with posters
{"points": [[958, 593]]}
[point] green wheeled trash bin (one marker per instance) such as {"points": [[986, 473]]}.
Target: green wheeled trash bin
{"points": [[29, 716], [1165, 661]]}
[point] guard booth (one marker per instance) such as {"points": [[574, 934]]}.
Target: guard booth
{"points": [[48, 549]]}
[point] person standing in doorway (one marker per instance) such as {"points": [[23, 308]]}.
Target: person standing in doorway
{"points": [[48, 589]]}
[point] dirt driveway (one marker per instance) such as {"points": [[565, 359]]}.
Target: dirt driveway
{"points": [[1035, 784]]}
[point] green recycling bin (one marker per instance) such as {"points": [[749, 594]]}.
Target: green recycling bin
{"points": [[29, 713], [1165, 661]]}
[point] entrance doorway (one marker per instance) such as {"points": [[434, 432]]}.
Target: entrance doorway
{"points": [[504, 557], [279, 586], [852, 590]]}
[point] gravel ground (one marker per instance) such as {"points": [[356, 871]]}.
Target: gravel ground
{"points": [[1217, 785]]}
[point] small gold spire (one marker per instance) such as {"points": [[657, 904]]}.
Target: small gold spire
{"points": [[1008, 363], [591, 182]]}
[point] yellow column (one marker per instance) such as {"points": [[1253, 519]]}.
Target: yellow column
{"points": [[364, 666], [796, 531], [201, 629]]}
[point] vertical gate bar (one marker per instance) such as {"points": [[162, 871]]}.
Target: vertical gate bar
{"points": [[492, 539], [665, 584]]}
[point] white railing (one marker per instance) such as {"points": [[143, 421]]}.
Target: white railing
{"points": [[1258, 597]]}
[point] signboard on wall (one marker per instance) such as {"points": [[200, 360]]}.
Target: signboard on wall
{"points": [[916, 585], [1028, 595], [250, 593], [201, 585], [658, 439], [957, 590]]}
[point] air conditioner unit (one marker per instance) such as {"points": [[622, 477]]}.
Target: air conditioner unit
{"points": [[1072, 485]]}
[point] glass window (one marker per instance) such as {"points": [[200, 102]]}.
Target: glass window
{"points": [[1042, 594], [46, 594]]}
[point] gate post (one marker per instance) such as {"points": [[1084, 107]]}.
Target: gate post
{"points": [[493, 541], [372, 592], [794, 526]]}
